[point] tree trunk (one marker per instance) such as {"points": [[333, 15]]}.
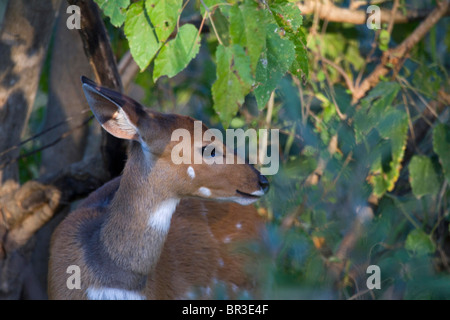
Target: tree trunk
{"points": [[65, 99], [24, 38]]}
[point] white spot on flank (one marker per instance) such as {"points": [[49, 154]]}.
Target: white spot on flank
{"points": [[191, 172], [160, 218], [239, 225], [221, 263], [227, 239], [112, 294], [204, 191]]}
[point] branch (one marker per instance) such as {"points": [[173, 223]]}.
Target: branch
{"points": [[326, 10], [396, 56]]}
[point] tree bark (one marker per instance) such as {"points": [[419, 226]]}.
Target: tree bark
{"points": [[24, 38], [98, 50], [65, 99]]}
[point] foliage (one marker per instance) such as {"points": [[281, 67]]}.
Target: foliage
{"points": [[270, 34]]}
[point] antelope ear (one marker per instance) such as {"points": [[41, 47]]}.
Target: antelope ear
{"points": [[117, 113]]}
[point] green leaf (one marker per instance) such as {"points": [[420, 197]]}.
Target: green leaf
{"points": [[289, 20], [163, 15], [140, 35], [422, 176], [222, 24], [373, 108], [385, 170], [272, 65], [377, 117], [441, 145], [177, 53], [419, 243], [233, 81], [115, 10], [248, 29], [287, 14], [383, 40]]}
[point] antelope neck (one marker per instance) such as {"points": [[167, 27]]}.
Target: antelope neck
{"points": [[138, 222]]}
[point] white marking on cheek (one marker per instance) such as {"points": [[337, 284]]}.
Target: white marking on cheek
{"points": [[112, 294], [191, 172], [160, 218], [204, 191]]}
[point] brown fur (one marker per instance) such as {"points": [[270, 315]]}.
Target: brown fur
{"points": [[110, 239]]}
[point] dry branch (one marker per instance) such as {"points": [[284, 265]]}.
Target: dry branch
{"points": [[395, 57], [326, 10]]}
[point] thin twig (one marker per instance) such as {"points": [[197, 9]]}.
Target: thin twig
{"points": [[402, 209], [440, 217], [392, 20], [37, 135], [208, 14], [397, 55], [48, 145]]}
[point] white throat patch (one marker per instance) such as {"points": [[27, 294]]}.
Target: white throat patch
{"points": [[160, 218]]}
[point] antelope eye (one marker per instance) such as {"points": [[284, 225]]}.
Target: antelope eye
{"points": [[210, 153]]}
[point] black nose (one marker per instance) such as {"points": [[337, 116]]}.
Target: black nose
{"points": [[264, 183]]}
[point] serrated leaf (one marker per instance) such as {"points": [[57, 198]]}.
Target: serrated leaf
{"points": [[289, 20], [422, 176], [140, 35], [419, 243], [163, 15], [373, 107], [248, 29], [177, 53], [441, 145], [272, 65], [376, 117], [385, 169], [233, 81], [287, 14], [115, 10]]}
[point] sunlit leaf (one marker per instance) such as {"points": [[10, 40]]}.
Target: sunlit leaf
{"points": [[233, 81], [177, 53], [273, 64], [115, 10], [289, 20], [248, 29], [140, 35], [163, 15]]}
